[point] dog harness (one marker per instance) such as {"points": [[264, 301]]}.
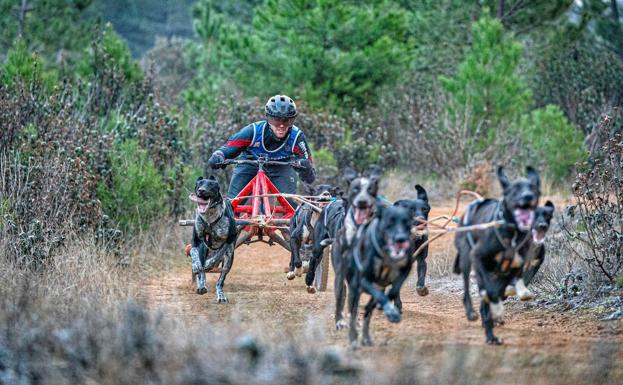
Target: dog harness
{"points": [[379, 252], [215, 219], [510, 257], [285, 151]]}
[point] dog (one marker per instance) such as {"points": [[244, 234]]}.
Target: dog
{"points": [[362, 199], [497, 253], [330, 221], [214, 235], [542, 219], [302, 228], [419, 209], [381, 256]]}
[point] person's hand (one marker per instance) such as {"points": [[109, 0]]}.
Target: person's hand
{"points": [[217, 160], [306, 171], [304, 164]]}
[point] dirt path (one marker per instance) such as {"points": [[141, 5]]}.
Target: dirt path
{"points": [[434, 336]]}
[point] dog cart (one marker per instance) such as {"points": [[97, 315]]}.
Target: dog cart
{"points": [[263, 214]]}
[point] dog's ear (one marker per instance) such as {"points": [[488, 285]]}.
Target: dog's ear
{"points": [[533, 177], [349, 175], [549, 205], [198, 179], [336, 191], [421, 193], [503, 178], [211, 177], [375, 173]]}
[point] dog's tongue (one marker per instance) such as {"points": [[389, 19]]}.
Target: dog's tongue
{"points": [[202, 206], [361, 215], [538, 236], [524, 217], [398, 249]]}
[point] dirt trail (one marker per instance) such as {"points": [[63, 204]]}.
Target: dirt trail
{"points": [[540, 347]]}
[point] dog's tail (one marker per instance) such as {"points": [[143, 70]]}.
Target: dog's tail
{"points": [[456, 269]]}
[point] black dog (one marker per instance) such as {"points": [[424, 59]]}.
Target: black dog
{"points": [[302, 227], [381, 255], [214, 233], [542, 219], [362, 201], [419, 209], [497, 253], [329, 222]]}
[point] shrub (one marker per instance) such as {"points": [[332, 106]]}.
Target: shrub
{"points": [[116, 53], [136, 193], [596, 220], [487, 82], [551, 142]]}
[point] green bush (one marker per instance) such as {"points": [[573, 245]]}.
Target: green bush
{"points": [[20, 64], [487, 85], [552, 141], [136, 194], [336, 55], [116, 51]]}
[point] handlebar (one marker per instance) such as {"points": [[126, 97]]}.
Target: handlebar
{"points": [[263, 162]]}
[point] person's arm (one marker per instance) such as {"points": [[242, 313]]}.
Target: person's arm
{"points": [[303, 154], [233, 147]]}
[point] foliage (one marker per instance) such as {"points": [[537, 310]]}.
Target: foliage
{"points": [[54, 29], [551, 142], [487, 82], [22, 65], [580, 76], [335, 55], [137, 193], [596, 220], [116, 53]]}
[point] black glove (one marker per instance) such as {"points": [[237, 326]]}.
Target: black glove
{"points": [[306, 171], [217, 160]]}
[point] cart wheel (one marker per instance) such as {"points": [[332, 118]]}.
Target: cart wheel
{"points": [[322, 271]]}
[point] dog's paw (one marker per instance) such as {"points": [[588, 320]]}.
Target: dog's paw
{"points": [[366, 341], [341, 324], [523, 292], [422, 291], [221, 299], [290, 276], [472, 316], [495, 341], [392, 313], [311, 289], [510, 291], [201, 290]]}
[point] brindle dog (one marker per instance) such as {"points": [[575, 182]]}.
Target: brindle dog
{"points": [[214, 235]]}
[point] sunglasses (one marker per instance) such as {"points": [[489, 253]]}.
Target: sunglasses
{"points": [[280, 121]]}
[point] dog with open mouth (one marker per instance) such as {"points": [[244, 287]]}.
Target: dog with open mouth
{"points": [[419, 209], [214, 235], [536, 254], [498, 254], [360, 204], [381, 256], [302, 227]]}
